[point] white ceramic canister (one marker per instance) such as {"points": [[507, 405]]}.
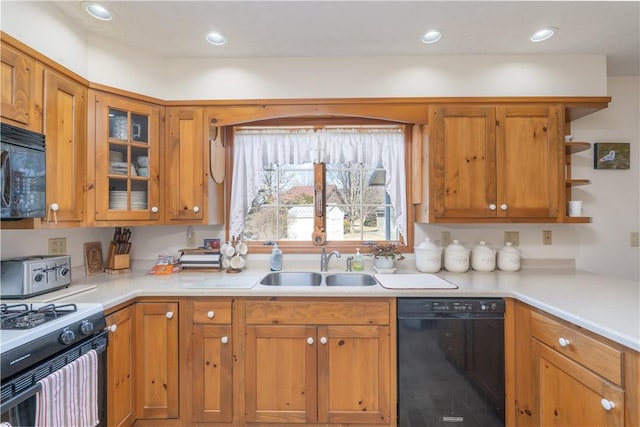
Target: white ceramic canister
{"points": [[509, 258], [428, 257], [483, 258], [456, 258]]}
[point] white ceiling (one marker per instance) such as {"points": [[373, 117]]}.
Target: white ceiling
{"points": [[380, 28]]}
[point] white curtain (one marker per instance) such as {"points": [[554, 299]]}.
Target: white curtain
{"points": [[256, 150]]}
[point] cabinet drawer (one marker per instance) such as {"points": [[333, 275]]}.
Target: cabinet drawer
{"points": [[325, 312], [588, 351], [212, 312]]}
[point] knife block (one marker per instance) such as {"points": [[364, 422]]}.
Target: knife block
{"points": [[118, 264]]}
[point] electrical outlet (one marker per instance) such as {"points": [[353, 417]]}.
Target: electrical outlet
{"points": [[546, 237], [634, 239], [58, 246], [513, 237], [445, 238], [191, 237]]}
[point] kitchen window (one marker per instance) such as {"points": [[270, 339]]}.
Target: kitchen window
{"points": [[306, 185]]}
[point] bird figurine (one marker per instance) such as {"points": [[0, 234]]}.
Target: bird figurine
{"points": [[609, 157]]}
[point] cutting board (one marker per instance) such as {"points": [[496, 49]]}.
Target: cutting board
{"points": [[413, 281]]}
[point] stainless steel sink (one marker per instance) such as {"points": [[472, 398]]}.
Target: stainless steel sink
{"points": [[350, 279], [292, 278]]}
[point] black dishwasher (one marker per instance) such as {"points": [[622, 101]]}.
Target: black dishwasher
{"points": [[450, 362]]}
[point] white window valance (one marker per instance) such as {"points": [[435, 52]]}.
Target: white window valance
{"points": [[258, 149]]}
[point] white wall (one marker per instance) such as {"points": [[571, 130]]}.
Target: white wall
{"points": [[612, 200], [46, 29], [397, 76]]}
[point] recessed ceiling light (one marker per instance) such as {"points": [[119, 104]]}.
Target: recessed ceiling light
{"points": [[98, 11], [215, 38], [431, 36], [543, 34]]}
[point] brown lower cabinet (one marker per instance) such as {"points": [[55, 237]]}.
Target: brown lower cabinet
{"points": [[566, 376], [120, 368], [253, 362], [319, 361]]}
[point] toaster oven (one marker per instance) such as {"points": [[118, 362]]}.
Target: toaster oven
{"points": [[25, 277]]}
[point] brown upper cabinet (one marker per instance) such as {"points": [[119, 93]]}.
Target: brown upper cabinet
{"points": [[65, 127], [495, 163], [18, 86], [126, 152], [186, 166], [491, 159]]}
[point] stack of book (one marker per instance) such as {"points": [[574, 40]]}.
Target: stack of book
{"points": [[201, 258]]}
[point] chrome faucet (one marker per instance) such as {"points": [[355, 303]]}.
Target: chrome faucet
{"points": [[325, 257]]}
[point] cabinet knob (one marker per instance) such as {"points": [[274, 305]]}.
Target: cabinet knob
{"points": [[196, 209], [563, 342], [607, 404], [224, 340], [324, 340], [503, 206], [155, 209], [309, 340], [113, 328], [210, 314], [169, 314], [492, 207]]}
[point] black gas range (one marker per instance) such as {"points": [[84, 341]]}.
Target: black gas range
{"points": [[37, 339]]}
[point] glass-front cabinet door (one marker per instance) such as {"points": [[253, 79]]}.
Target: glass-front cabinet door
{"points": [[127, 160]]}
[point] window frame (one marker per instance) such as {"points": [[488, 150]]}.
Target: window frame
{"points": [[306, 247]]}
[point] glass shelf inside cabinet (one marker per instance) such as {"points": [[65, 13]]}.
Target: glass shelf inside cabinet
{"points": [[128, 160]]}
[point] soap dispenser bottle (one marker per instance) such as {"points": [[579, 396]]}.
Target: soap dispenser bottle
{"points": [[275, 261], [358, 262]]}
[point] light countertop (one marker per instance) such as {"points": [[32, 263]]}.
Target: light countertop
{"points": [[607, 306]]}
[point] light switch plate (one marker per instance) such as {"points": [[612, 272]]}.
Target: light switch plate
{"points": [[58, 246], [513, 237], [546, 237], [191, 237], [634, 239], [445, 238]]}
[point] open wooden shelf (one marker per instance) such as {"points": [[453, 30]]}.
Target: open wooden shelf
{"points": [[577, 182], [577, 219], [576, 147]]}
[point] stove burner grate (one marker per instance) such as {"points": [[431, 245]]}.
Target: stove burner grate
{"points": [[23, 316]]}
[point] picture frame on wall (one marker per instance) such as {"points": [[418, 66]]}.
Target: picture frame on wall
{"points": [[611, 155]]}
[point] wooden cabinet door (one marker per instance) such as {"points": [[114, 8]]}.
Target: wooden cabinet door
{"points": [[157, 360], [528, 161], [120, 369], [186, 156], [65, 121], [570, 395], [281, 374], [354, 372], [17, 90], [463, 162], [212, 385], [127, 160]]}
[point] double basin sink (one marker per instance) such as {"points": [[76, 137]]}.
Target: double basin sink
{"points": [[291, 278]]}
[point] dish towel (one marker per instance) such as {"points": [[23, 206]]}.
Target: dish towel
{"points": [[69, 396]]}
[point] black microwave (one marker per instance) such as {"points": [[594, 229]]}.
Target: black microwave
{"points": [[22, 173]]}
